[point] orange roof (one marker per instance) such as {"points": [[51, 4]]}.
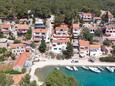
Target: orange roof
{"points": [[83, 43], [22, 58], [22, 26], [40, 30], [61, 41], [16, 45], [58, 36], [95, 46], [62, 26], [5, 26], [17, 78], [75, 26], [111, 38]]}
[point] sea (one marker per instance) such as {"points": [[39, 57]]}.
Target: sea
{"points": [[88, 78], [85, 77]]}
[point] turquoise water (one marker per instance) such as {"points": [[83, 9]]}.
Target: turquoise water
{"points": [[88, 78]]}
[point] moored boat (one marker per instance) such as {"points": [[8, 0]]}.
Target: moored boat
{"points": [[94, 69], [110, 69], [75, 68], [101, 68], [84, 67], [69, 68]]}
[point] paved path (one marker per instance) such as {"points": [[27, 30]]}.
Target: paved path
{"points": [[42, 64]]}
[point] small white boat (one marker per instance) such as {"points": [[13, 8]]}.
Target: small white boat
{"points": [[69, 68], [94, 69], [75, 68], [84, 67], [57, 68], [101, 68], [110, 69]]}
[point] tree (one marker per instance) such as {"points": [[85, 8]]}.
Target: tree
{"points": [[113, 49], [16, 41], [42, 47], [29, 34], [87, 35], [107, 42], [26, 81], [33, 45], [68, 53], [5, 80], [57, 78], [105, 17], [98, 33]]}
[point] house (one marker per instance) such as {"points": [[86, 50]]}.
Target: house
{"points": [[39, 33], [112, 39], [76, 29], [39, 23], [84, 48], [22, 29], [92, 27], [97, 20], [60, 38], [61, 31], [5, 29], [87, 17], [17, 49], [21, 60], [95, 50], [58, 45], [110, 30]]}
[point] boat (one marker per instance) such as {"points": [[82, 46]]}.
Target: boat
{"points": [[94, 69], [69, 68], [75, 68], [57, 68], [110, 69], [101, 68], [84, 67]]}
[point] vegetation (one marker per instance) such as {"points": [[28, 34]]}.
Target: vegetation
{"points": [[26, 81], [19, 8], [42, 47], [98, 33], [68, 53], [10, 72], [108, 59], [29, 34], [57, 78], [17, 41], [107, 42], [113, 51], [5, 54], [33, 45], [5, 80], [87, 35]]}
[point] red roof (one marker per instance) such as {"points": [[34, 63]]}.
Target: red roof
{"points": [[5, 26], [22, 58], [76, 26], [60, 40]]}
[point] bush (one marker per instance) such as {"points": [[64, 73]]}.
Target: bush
{"points": [[10, 72], [107, 59]]}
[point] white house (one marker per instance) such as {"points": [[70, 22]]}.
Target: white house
{"points": [[17, 49], [95, 50], [57, 45], [83, 48]]}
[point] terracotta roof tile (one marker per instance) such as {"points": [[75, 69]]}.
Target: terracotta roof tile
{"points": [[16, 45], [60, 40], [22, 58], [83, 43], [76, 26], [22, 26], [95, 46], [40, 30]]}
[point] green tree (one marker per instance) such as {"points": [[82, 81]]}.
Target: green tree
{"points": [[26, 81], [5, 80], [33, 45], [42, 47], [57, 78], [107, 42], [68, 53], [16, 41], [28, 35], [98, 33], [105, 17], [87, 35]]}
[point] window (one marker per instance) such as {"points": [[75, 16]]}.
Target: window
{"points": [[58, 43], [61, 29], [55, 48], [59, 48]]}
